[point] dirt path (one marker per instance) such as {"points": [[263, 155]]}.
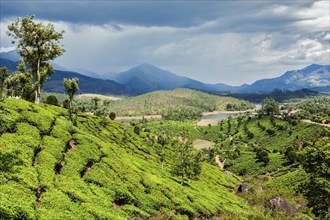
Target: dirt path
{"points": [[127, 118], [315, 123], [201, 144], [228, 112]]}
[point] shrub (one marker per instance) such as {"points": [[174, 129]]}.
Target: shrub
{"points": [[136, 129], [271, 131], [52, 100], [66, 103], [262, 156], [112, 116]]}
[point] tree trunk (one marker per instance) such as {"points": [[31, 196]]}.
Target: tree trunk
{"points": [[38, 90], [163, 157]]}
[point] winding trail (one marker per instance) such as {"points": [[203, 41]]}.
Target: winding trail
{"points": [[315, 123]]}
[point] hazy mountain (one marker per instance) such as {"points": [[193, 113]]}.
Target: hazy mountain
{"points": [[311, 77], [146, 78], [10, 55], [13, 56], [86, 84], [11, 65]]}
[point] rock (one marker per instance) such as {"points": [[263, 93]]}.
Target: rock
{"points": [[244, 187], [228, 173], [280, 204], [220, 163]]}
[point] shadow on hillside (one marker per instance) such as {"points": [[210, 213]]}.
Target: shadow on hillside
{"points": [[9, 161]]}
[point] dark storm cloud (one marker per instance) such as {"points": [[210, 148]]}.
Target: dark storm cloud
{"points": [[144, 13], [204, 40]]}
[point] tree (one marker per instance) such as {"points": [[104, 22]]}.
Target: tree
{"points": [[96, 103], [16, 83], [71, 87], [112, 116], [316, 187], [187, 160], [262, 156], [163, 139], [36, 44], [3, 75], [270, 106]]}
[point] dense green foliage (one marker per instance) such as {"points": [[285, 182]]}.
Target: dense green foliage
{"points": [[52, 100], [71, 87], [270, 106], [278, 95], [53, 170], [270, 159], [36, 44], [317, 186], [3, 75], [316, 109]]}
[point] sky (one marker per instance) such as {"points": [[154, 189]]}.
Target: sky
{"points": [[231, 42]]}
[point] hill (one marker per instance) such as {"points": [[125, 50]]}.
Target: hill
{"points": [[184, 100], [53, 170]]}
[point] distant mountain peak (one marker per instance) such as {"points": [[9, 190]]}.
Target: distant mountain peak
{"points": [[146, 67], [311, 68]]}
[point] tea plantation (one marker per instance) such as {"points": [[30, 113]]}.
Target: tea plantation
{"points": [[51, 169]]}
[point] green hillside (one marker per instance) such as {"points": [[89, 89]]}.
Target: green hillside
{"points": [[285, 141], [162, 102], [53, 170]]}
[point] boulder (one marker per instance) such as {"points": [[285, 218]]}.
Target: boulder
{"points": [[244, 187], [228, 173], [280, 204]]}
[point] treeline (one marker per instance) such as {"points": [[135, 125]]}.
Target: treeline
{"points": [[277, 94], [162, 102], [316, 109]]}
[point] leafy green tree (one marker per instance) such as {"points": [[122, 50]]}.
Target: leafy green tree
{"points": [[71, 87], [96, 103], [270, 106], [291, 154], [105, 112], [316, 188], [187, 160], [163, 139], [16, 83], [262, 156], [36, 44], [137, 129], [52, 100], [3, 75], [112, 116], [66, 103]]}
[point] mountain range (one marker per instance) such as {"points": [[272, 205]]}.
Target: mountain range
{"points": [[147, 78]]}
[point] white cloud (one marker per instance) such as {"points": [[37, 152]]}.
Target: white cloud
{"points": [[316, 18]]}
